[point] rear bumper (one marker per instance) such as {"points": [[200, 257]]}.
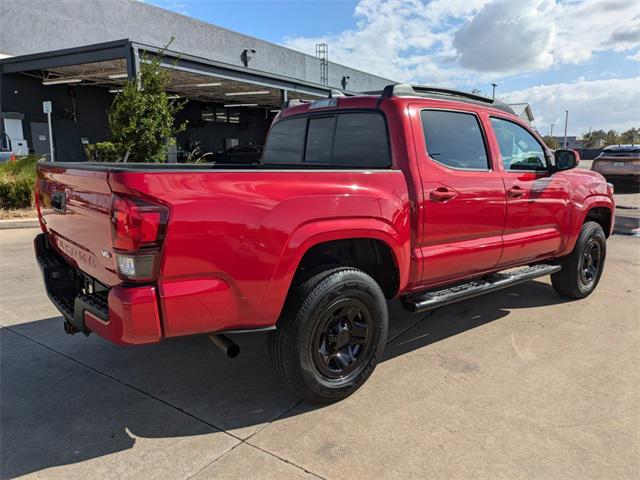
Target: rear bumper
{"points": [[123, 315], [620, 177]]}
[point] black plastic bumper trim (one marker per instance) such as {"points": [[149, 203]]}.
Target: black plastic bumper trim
{"points": [[62, 283]]}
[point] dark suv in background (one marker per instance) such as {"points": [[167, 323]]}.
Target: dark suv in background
{"points": [[619, 164]]}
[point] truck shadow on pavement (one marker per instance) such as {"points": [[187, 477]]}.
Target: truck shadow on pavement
{"points": [[69, 399]]}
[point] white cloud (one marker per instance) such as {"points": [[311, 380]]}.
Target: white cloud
{"points": [[635, 57], [507, 36], [399, 39], [468, 43], [460, 41], [591, 103], [594, 26], [514, 36]]}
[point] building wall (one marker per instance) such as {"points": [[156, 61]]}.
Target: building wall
{"points": [[54, 25], [24, 94]]}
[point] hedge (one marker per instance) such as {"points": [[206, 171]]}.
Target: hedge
{"points": [[17, 180]]}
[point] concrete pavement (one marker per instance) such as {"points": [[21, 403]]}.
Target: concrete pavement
{"points": [[517, 384]]}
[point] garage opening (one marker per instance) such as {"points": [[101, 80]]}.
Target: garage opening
{"points": [[228, 110]]}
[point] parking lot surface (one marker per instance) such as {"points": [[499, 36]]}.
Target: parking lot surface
{"points": [[521, 383]]}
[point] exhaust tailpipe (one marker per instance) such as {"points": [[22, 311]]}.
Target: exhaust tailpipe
{"points": [[224, 343]]}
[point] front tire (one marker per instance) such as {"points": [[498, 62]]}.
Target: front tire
{"points": [[331, 335], [582, 268]]}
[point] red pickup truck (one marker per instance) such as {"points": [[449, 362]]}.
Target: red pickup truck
{"points": [[423, 194]]}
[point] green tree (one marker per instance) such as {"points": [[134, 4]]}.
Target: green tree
{"points": [[594, 138], [630, 136], [551, 142], [599, 138], [142, 116], [611, 138]]}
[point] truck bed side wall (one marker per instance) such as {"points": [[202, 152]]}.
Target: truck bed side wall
{"points": [[235, 237]]}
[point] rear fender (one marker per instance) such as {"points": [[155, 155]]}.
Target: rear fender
{"points": [[311, 234], [593, 201]]}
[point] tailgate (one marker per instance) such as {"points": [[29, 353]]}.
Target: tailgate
{"points": [[75, 208]]}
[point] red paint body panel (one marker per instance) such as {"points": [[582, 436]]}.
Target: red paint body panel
{"points": [[461, 236], [235, 238], [133, 317], [249, 229], [84, 228]]}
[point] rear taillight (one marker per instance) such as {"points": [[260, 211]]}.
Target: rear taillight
{"points": [[137, 231], [12, 157], [136, 224]]}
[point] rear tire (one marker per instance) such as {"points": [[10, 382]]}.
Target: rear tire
{"points": [[582, 268], [331, 335]]}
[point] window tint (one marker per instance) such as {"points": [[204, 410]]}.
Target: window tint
{"points": [[518, 148], [361, 140], [454, 139], [345, 140], [286, 142], [320, 139]]}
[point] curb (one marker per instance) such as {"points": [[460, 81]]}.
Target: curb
{"points": [[12, 223], [627, 225]]}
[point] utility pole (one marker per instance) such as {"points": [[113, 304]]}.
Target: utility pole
{"points": [[566, 120], [494, 85], [551, 131]]}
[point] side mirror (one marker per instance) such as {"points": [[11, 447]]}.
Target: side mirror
{"points": [[566, 159]]}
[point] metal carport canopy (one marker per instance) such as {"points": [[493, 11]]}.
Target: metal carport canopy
{"points": [[216, 69], [131, 51], [68, 56]]}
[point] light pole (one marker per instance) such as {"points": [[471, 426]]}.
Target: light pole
{"points": [[494, 85], [566, 120], [551, 131]]}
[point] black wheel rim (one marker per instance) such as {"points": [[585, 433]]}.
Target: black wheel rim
{"points": [[343, 340], [590, 262]]}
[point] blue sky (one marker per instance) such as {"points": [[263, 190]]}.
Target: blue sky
{"points": [[270, 20], [576, 55]]}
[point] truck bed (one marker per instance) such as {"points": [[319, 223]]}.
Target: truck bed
{"points": [[234, 236]]}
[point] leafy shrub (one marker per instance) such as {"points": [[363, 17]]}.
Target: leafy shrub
{"points": [[17, 180], [17, 193], [103, 152], [142, 115], [22, 166]]}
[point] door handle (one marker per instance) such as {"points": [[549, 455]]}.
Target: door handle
{"points": [[441, 194], [515, 192]]}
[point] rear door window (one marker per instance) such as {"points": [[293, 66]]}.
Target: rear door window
{"points": [[454, 139], [286, 142], [351, 139], [320, 139], [361, 140]]}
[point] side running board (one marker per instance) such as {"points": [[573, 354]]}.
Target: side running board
{"points": [[419, 302]]}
